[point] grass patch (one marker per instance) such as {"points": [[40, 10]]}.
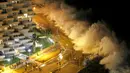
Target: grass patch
{"points": [[26, 53], [14, 60], [37, 49]]}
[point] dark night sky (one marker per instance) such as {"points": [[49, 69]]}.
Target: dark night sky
{"points": [[115, 13], [3, 0]]}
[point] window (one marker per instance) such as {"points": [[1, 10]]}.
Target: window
{"points": [[20, 12], [1, 53], [4, 11], [11, 50]]}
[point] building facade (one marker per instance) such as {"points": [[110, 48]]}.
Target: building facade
{"points": [[15, 27]]}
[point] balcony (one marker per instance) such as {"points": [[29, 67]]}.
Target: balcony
{"points": [[20, 5], [1, 11], [24, 30], [3, 16], [15, 23], [9, 9], [25, 40], [3, 5], [9, 20], [4, 11], [19, 27], [24, 10], [1, 23], [19, 37]]}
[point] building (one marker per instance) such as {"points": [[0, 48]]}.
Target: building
{"points": [[15, 27]]}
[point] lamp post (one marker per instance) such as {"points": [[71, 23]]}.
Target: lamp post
{"points": [[29, 50], [9, 60]]}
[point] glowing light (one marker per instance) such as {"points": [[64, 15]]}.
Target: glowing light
{"points": [[26, 15], [42, 37], [16, 51], [36, 67], [27, 65], [17, 40], [51, 40], [20, 17], [29, 50], [5, 28], [43, 65], [60, 56], [10, 25], [34, 8], [45, 56], [9, 60], [13, 1], [30, 19], [20, 54]]}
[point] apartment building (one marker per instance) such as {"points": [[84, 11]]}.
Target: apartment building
{"points": [[15, 27]]}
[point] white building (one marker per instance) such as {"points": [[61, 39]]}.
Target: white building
{"points": [[15, 15]]}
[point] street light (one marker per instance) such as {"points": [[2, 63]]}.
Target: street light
{"points": [[43, 65], [26, 15], [60, 56], [29, 50], [9, 60]]}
